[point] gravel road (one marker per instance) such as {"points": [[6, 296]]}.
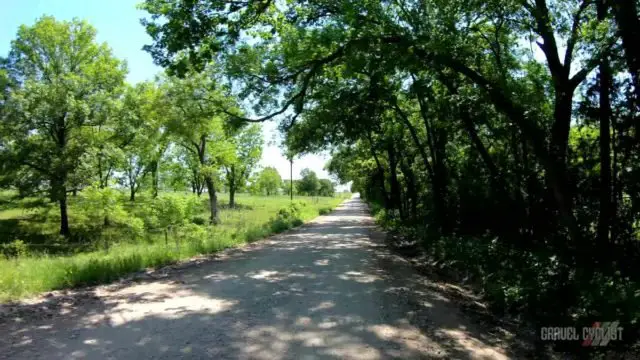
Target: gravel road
{"points": [[327, 290]]}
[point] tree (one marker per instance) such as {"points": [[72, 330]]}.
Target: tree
{"points": [[309, 183], [198, 125], [247, 142], [62, 79], [269, 181], [441, 113], [140, 136], [326, 187], [287, 187]]}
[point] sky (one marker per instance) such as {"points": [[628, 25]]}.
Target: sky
{"points": [[118, 24]]}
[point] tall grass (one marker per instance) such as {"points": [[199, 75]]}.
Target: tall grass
{"points": [[257, 218]]}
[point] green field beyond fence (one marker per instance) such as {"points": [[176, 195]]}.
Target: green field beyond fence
{"points": [[37, 260]]}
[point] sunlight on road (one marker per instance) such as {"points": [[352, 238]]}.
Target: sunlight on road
{"points": [[323, 291]]}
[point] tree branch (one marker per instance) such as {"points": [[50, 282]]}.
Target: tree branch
{"points": [[549, 46], [573, 38]]}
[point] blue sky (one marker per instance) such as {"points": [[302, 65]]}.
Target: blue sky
{"points": [[118, 24]]}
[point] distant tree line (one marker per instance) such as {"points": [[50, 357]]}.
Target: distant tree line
{"points": [[268, 182]]}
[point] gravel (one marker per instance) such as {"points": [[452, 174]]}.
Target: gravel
{"points": [[327, 290]]}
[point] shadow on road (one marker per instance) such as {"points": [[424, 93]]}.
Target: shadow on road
{"points": [[324, 291]]}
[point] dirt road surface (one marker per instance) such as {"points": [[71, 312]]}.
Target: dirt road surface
{"points": [[327, 290]]}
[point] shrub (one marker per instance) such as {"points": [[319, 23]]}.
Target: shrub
{"points": [[199, 220], [14, 249], [255, 234], [173, 210], [291, 211], [279, 224], [193, 232], [101, 208], [325, 210], [286, 218]]}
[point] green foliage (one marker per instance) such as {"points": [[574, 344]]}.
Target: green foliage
{"points": [[198, 123], [287, 218], [139, 135], [174, 210], [309, 183], [63, 78], [444, 114], [102, 208], [102, 205], [260, 217], [287, 188], [269, 181], [521, 167], [326, 187], [14, 249], [248, 143], [199, 220], [74, 135]]}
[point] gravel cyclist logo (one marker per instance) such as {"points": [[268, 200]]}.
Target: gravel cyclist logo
{"points": [[599, 334]]}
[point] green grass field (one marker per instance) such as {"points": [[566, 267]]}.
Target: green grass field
{"points": [[40, 271]]}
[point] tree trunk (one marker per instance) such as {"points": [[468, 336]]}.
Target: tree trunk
{"points": [[626, 16], [531, 186], [439, 182], [100, 175], [615, 183], [385, 196], [396, 192], [154, 179], [412, 190], [562, 124], [232, 195], [291, 177], [64, 216], [604, 219], [416, 139], [559, 183], [213, 200], [132, 193]]}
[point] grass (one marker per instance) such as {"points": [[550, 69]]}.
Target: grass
{"points": [[256, 218]]}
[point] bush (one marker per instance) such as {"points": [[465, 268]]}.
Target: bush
{"points": [[174, 210], [279, 225], [199, 220], [255, 234], [325, 210], [101, 209], [287, 218], [14, 249], [291, 211], [100, 206]]}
